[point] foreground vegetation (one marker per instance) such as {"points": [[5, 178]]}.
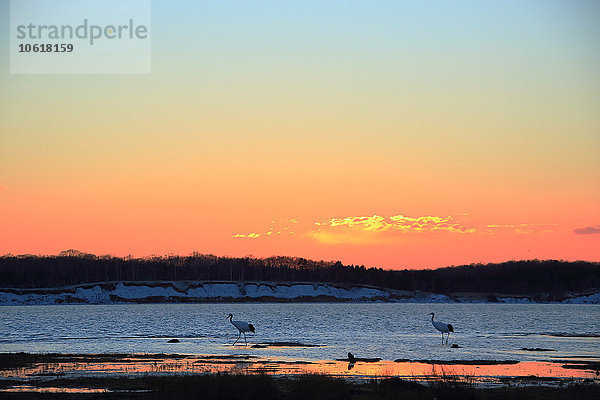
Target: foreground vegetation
{"points": [[550, 280], [316, 387]]}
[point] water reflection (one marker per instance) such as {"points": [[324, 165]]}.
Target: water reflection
{"points": [[34, 389], [133, 365]]}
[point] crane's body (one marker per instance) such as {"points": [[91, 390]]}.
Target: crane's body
{"points": [[442, 327], [241, 326]]}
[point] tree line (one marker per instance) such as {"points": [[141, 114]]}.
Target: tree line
{"points": [[71, 267]]}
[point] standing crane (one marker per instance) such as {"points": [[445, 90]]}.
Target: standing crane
{"points": [[442, 327], [241, 326]]}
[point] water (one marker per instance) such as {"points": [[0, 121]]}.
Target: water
{"points": [[388, 331]]}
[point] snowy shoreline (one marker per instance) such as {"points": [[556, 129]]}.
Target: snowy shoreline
{"points": [[227, 291]]}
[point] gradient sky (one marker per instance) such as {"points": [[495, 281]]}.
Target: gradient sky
{"points": [[400, 134]]}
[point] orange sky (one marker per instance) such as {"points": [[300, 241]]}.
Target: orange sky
{"points": [[392, 135]]}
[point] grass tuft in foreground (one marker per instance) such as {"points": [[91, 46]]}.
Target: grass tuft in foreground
{"points": [[315, 387]]}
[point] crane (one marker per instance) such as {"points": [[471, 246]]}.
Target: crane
{"points": [[241, 326], [442, 327]]}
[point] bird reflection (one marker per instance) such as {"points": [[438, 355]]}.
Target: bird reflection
{"points": [[351, 360]]}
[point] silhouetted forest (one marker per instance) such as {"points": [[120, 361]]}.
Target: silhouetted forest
{"points": [[531, 277]]}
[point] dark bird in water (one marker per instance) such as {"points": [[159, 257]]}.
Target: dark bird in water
{"points": [[352, 360], [241, 326], [442, 327]]}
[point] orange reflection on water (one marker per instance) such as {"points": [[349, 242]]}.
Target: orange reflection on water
{"points": [[426, 371], [33, 389], [173, 364]]}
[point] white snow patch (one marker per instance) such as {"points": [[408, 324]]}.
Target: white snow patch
{"points": [[590, 299], [516, 300], [116, 292]]}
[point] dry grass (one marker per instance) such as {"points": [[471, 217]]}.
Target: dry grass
{"points": [[316, 387]]}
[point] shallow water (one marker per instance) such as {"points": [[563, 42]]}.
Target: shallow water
{"points": [[388, 331], [98, 366]]}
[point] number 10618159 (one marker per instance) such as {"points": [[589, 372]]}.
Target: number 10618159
{"points": [[45, 48]]}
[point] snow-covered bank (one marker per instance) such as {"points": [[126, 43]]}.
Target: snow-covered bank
{"points": [[213, 291], [208, 291]]}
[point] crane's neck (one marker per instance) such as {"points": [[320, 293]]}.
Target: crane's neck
{"points": [[432, 315], [230, 318]]}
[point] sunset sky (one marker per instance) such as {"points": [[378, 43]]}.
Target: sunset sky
{"points": [[397, 134]]}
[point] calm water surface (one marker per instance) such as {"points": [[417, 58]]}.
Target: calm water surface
{"points": [[388, 331]]}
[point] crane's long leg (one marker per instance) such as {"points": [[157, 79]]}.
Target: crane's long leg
{"points": [[448, 337], [245, 339], [442, 337], [239, 336]]}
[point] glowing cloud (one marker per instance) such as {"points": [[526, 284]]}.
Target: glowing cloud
{"points": [[360, 229], [377, 229], [250, 235], [276, 229]]}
